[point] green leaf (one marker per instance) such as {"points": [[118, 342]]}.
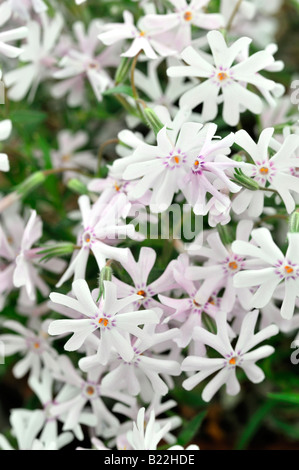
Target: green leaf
{"points": [[292, 398], [28, 117], [123, 89], [191, 429], [254, 424]]}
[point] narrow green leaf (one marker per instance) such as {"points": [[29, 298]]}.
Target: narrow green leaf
{"points": [[254, 424], [191, 429], [123, 89], [292, 398]]}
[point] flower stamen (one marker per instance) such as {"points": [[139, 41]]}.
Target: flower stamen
{"points": [[104, 321], [233, 265], [141, 292], [188, 16], [288, 269], [222, 76]]}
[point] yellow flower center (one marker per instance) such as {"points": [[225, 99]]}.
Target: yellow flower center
{"points": [[232, 361], [288, 269], [188, 16], [141, 292], [233, 265], [222, 76], [104, 321], [264, 170]]}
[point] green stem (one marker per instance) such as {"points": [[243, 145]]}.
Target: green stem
{"points": [[232, 17], [133, 85], [102, 148]]}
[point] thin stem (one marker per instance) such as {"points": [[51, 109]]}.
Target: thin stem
{"points": [[269, 189], [102, 148], [109, 263], [55, 171], [133, 85], [274, 216], [134, 63], [232, 17]]}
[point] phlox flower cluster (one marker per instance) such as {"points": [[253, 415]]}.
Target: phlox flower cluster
{"points": [[109, 323]]}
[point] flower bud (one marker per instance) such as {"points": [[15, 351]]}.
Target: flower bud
{"points": [[31, 183], [225, 234], [105, 275], [59, 249], [77, 186], [153, 121], [294, 222], [123, 70], [245, 181]]}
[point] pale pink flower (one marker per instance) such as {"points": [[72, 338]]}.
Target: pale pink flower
{"points": [[43, 388], [38, 57], [276, 268], [277, 172], [242, 355], [142, 373], [146, 437], [78, 392], [26, 426], [33, 345], [219, 270], [6, 36], [82, 62], [110, 316], [20, 268], [69, 153], [5, 131], [150, 85], [144, 39], [222, 76], [131, 414], [139, 272], [103, 227], [183, 156], [22, 9], [187, 310], [185, 16]]}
